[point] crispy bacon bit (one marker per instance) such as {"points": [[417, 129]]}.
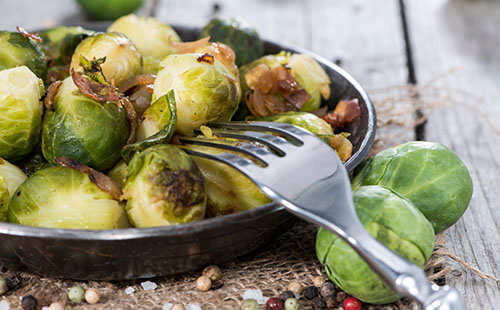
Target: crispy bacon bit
{"points": [[97, 91], [344, 113], [188, 47], [297, 99], [28, 34], [50, 95], [101, 180], [342, 146], [136, 80], [131, 117], [208, 58]]}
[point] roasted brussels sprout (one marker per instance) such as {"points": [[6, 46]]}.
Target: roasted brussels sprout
{"points": [[393, 221], [240, 36], [122, 58], [84, 129], [428, 174], [151, 37], [10, 179], [20, 111], [164, 187], [119, 173], [60, 42], [204, 89], [61, 197], [17, 50]]}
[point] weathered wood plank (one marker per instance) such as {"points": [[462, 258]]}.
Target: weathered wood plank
{"points": [[463, 35]]}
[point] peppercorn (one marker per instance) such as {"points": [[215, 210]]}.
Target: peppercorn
{"points": [[327, 289], [92, 296], [3, 286], [76, 294], [29, 302], [249, 304], [274, 304], [351, 303], [203, 283], [310, 292], [56, 306], [318, 281], [286, 294], [295, 287], [330, 302], [13, 283], [318, 303], [213, 273], [340, 296], [291, 304], [177, 307]]}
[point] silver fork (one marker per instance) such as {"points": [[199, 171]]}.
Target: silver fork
{"points": [[306, 176]]}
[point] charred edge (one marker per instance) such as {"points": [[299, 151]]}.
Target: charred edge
{"points": [[181, 187], [208, 58]]}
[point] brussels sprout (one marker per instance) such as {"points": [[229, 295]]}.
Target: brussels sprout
{"points": [[20, 111], [61, 197], [164, 187], [84, 129], [428, 174], [240, 36], [204, 90], [109, 9], [10, 179], [33, 162], [60, 42], [122, 58], [393, 221], [151, 38], [119, 173], [17, 50]]}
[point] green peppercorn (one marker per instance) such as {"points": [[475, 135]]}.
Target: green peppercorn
{"points": [[250, 304], [76, 294], [292, 304], [3, 286], [29, 302], [310, 292], [286, 294]]}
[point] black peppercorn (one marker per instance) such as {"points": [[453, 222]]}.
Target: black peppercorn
{"points": [[310, 292], [330, 302], [327, 289], [29, 302], [286, 294], [318, 303]]}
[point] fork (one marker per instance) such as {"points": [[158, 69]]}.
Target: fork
{"points": [[301, 172]]}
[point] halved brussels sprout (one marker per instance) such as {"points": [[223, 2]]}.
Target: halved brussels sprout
{"points": [[20, 111], [164, 187], [61, 197], [17, 50], [84, 129], [428, 174], [60, 42], [10, 179], [204, 89], [119, 173], [122, 58], [393, 221], [151, 38]]}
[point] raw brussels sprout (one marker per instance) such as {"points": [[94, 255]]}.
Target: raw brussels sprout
{"points": [[393, 221], [20, 111], [17, 50], [164, 187], [204, 90], [84, 129], [122, 58], [151, 38], [429, 174], [60, 42], [240, 36], [61, 197], [10, 179]]}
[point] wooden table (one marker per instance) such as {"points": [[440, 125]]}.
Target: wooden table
{"points": [[382, 43]]}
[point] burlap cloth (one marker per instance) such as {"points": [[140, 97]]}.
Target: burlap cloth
{"points": [[291, 257]]}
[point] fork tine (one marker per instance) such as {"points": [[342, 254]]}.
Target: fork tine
{"points": [[287, 130]]}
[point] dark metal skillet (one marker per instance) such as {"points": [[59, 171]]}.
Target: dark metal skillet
{"points": [[149, 252]]}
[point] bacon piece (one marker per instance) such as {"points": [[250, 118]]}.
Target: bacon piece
{"points": [[345, 112], [297, 99], [28, 34], [208, 58], [50, 95], [97, 91], [136, 80]]}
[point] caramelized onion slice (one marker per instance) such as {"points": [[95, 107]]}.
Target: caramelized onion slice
{"points": [[50, 95], [28, 34], [97, 91], [136, 80]]}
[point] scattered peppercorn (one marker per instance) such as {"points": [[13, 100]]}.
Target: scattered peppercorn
{"points": [[13, 283], [318, 281], [92, 296], [29, 302], [330, 302], [327, 289], [310, 292], [351, 303], [286, 294], [213, 273], [291, 304], [318, 303], [56, 306], [295, 287], [203, 283], [250, 304], [177, 307], [3, 286], [274, 304], [76, 294]]}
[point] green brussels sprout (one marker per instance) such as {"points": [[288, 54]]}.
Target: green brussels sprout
{"points": [[309, 121], [10, 179], [109, 9], [204, 89], [84, 129], [61, 197], [60, 42], [394, 222], [119, 173], [17, 50], [429, 174], [151, 38], [20, 111], [240, 36], [122, 58], [164, 187]]}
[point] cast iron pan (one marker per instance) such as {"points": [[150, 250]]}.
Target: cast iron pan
{"points": [[150, 252]]}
